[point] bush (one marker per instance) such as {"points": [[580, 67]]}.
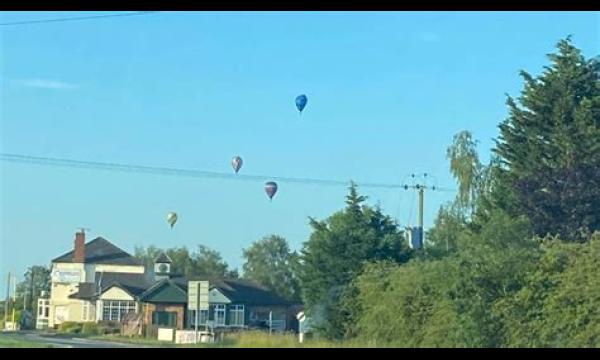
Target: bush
{"points": [[90, 328], [109, 327], [70, 327]]}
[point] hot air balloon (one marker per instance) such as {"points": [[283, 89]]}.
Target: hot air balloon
{"points": [[271, 189], [301, 101], [237, 163], [172, 219]]}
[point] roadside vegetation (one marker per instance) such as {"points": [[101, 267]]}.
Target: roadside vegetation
{"points": [[513, 261]]}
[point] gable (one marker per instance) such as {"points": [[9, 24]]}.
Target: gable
{"points": [[215, 296], [116, 293], [166, 293]]}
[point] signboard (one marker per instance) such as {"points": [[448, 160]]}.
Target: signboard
{"points": [[185, 337], [198, 295], [66, 276], [165, 334]]}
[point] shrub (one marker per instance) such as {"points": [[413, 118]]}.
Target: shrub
{"points": [[70, 327], [90, 328], [109, 327]]}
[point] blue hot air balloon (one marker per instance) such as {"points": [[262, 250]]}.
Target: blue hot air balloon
{"points": [[301, 101]]}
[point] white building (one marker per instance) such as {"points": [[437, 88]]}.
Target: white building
{"points": [[82, 271]]}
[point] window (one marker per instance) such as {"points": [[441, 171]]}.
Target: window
{"points": [[202, 317], [85, 313], [220, 314], [236, 315], [164, 318], [115, 310]]}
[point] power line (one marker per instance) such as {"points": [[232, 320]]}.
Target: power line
{"points": [[26, 159], [91, 17]]}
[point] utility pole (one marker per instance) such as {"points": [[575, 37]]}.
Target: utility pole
{"points": [[421, 201], [421, 187], [7, 300], [32, 292]]}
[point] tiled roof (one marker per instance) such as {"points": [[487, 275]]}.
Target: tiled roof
{"points": [[134, 284], [101, 251], [238, 290]]}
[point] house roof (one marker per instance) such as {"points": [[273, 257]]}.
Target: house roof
{"points": [[163, 258], [238, 290], [167, 291], [134, 284], [175, 289], [101, 251]]}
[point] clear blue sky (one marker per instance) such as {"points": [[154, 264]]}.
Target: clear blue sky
{"points": [[386, 91]]}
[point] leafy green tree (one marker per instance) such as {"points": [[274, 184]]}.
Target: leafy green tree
{"points": [[37, 278], [208, 262], [559, 305], [448, 301], [467, 169], [270, 262], [204, 262], [549, 147], [335, 253]]}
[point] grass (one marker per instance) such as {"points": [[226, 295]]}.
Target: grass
{"points": [[7, 341], [132, 340], [246, 339]]}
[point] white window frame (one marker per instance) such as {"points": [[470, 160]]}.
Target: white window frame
{"points": [[220, 308], [121, 306], [236, 312]]}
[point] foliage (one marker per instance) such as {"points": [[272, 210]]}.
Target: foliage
{"points": [[36, 279], [270, 262], [90, 329], [549, 147], [203, 262], [446, 302], [466, 168], [335, 254], [70, 327]]}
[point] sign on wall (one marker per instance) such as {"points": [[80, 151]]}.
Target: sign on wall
{"points": [[66, 276], [185, 337], [198, 295]]}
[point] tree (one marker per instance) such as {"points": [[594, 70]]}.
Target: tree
{"points": [[204, 262], [448, 301], [335, 253], [559, 305], [270, 262], [208, 262], [36, 279], [549, 147], [467, 170]]}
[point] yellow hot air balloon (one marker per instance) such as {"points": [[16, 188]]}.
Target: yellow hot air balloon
{"points": [[172, 219]]}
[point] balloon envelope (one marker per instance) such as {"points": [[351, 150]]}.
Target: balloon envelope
{"points": [[301, 101], [237, 163], [271, 189], [172, 219]]}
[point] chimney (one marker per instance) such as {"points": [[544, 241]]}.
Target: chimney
{"points": [[79, 254]]}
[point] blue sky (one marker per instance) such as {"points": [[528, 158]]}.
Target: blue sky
{"points": [[387, 91]]}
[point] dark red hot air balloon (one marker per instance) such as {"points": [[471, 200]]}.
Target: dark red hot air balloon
{"points": [[236, 163], [271, 189]]}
